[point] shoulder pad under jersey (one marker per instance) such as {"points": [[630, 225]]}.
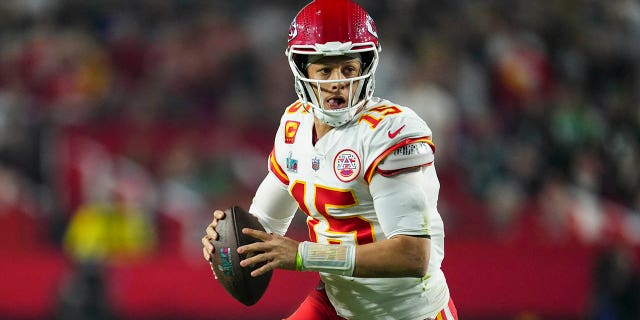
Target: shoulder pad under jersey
{"points": [[399, 140]]}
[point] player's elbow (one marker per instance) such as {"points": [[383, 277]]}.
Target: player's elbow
{"points": [[417, 253], [421, 264]]}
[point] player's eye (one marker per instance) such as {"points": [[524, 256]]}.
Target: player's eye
{"points": [[322, 72], [350, 71]]}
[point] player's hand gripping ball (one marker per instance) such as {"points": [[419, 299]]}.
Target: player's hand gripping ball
{"points": [[225, 261]]}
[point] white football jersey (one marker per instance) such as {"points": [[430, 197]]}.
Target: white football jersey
{"points": [[330, 182]]}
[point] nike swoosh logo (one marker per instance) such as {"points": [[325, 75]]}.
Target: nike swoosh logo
{"points": [[395, 133]]}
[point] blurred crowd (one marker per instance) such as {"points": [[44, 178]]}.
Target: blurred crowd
{"points": [[124, 123]]}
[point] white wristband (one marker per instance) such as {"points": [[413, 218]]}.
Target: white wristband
{"points": [[329, 258]]}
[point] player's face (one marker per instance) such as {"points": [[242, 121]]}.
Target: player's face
{"points": [[335, 94]]}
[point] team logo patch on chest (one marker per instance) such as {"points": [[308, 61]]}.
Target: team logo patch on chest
{"points": [[346, 165]]}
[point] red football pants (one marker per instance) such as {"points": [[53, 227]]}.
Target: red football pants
{"points": [[316, 306]]}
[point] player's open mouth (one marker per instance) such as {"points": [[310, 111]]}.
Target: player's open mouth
{"points": [[336, 102]]}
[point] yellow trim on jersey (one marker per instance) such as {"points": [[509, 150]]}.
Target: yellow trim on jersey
{"points": [[296, 106], [276, 169]]}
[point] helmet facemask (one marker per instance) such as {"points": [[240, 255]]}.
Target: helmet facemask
{"points": [[364, 83]]}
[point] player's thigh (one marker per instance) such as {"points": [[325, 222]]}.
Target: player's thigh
{"points": [[316, 306]]}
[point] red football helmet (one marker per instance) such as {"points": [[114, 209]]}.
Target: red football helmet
{"points": [[332, 28]]}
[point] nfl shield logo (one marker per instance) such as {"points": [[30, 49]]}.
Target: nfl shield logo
{"points": [[315, 164]]}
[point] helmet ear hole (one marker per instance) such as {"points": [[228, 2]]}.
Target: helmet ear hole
{"points": [[367, 60], [300, 60]]}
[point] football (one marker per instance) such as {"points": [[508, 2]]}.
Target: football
{"points": [[225, 261]]}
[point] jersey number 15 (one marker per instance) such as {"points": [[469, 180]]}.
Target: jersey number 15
{"points": [[324, 198]]}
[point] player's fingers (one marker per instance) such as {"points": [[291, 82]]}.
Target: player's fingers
{"points": [[264, 269], [206, 255], [211, 228], [255, 247], [218, 215], [260, 235], [207, 247], [211, 232], [259, 258]]}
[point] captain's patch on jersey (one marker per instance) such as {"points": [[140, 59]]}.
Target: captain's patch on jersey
{"points": [[346, 165], [290, 131]]}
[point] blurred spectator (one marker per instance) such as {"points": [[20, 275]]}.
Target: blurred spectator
{"points": [[20, 227], [425, 91], [108, 232], [519, 66], [83, 294], [113, 224], [617, 285]]}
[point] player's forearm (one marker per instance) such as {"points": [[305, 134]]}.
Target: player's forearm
{"points": [[400, 256]]}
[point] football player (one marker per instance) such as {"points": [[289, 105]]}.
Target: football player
{"points": [[362, 169]]}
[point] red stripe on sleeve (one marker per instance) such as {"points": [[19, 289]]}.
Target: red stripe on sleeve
{"points": [[372, 168]]}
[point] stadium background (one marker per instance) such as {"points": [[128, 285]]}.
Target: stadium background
{"points": [[123, 123]]}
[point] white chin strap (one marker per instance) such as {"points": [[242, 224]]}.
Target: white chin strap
{"points": [[336, 118]]}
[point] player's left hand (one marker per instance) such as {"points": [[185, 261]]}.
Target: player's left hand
{"points": [[279, 252]]}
